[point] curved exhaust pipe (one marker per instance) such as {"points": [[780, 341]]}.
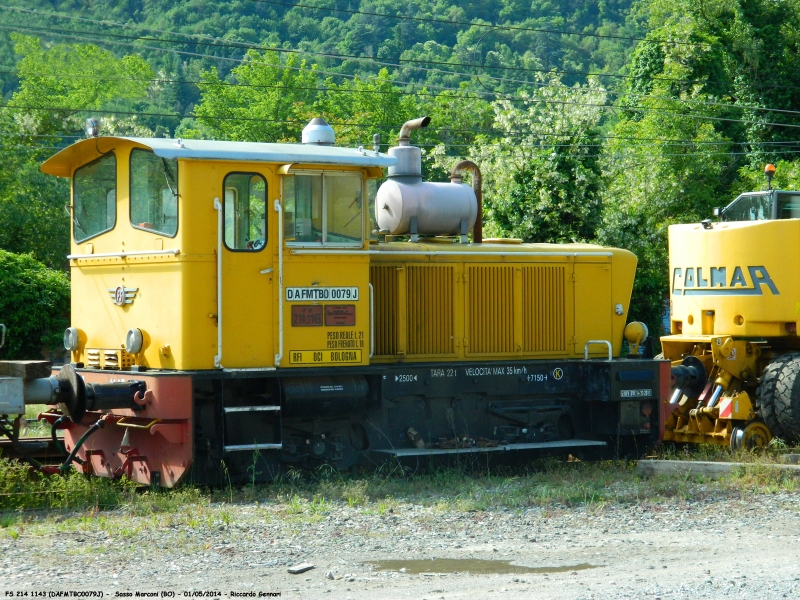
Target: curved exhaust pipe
{"points": [[409, 126], [477, 187]]}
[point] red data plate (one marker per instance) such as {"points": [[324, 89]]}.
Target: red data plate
{"points": [[340, 315], [306, 316]]}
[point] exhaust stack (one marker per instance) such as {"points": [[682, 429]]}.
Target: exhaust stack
{"points": [[407, 205]]}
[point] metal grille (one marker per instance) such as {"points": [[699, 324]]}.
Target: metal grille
{"points": [[102, 358], [384, 284], [543, 310], [491, 309], [430, 310], [93, 358]]}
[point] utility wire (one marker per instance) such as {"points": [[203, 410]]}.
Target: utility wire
{"points": [[471, 23], [495, 94], [660, 141], [395, 91], [233, 43]]}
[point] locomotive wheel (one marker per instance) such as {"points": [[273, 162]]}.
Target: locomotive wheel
{"points": [[754, 434], [779, 397]]}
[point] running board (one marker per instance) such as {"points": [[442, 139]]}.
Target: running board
{"points": [[232, 409], [566, 444], [252, 447]]}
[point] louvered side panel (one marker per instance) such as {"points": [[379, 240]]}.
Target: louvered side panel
{"points": [[430, 310], [543, 309], [384, 285], [491, 309]]}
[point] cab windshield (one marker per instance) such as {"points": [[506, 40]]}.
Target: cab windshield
{"points": [[761, 206], [94, 198], [749, 207]]}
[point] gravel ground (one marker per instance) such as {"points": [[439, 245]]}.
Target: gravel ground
{"points": [[742, 548]]}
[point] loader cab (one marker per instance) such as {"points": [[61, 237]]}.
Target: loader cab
{"points": [[763, 206]]}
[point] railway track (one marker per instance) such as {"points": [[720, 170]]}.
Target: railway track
{"points": [[41, 448]]}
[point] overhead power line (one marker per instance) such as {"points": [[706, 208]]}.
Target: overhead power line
{"points": [[395, 91], [238, 44], [472, 23], [493, 94], [219, 42]]}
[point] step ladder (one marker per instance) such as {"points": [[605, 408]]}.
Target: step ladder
{"points": [[249, 422]]}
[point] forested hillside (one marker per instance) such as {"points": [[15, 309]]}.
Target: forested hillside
{"points": [[596, 121]]}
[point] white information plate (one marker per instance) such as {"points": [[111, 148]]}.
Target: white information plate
{"points": [[313, 294], [635, 393]]}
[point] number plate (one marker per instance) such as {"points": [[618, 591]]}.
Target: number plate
{"points": [[315, 294], [635, 393]]}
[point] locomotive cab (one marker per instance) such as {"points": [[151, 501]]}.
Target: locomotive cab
{"points": [[183, 236]]}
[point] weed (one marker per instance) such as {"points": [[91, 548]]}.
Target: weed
{"points": [[253, 468], [6, 520], [295, 506], [319, 506], [355, 492]]}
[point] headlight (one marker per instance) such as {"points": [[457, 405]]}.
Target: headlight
{"points": [[71, 339], [133, 341]]}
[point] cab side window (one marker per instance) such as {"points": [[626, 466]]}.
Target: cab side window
{"points": [[245, 212], [323, 209], [154, 193], [94, 198], [788, 205]]}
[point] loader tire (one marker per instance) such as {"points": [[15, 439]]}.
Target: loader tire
{"points": [[779, 397]]}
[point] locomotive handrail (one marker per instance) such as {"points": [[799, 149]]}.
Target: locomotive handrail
{"points": [[174, 251], [446, 253], [218, 357], [597, 342], [371, 320], [124, 423], [279, 210]]}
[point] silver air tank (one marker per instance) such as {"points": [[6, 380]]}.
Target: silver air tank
{"points": [[407, 205]]}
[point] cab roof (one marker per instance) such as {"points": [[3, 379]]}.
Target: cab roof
{"points": [[63, 163]]}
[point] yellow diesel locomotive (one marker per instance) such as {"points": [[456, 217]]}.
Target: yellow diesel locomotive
{"points": [[238, 304]]}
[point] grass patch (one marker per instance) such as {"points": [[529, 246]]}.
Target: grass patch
{"points": [[23, 489], [546, 483], [305, 497], [772, 454]]}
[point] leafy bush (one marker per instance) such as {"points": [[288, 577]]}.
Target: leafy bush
{"points": [[34, 306]]}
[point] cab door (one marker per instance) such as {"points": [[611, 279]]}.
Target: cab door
{"points": [[247, 270]]}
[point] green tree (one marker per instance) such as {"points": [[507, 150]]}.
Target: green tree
{"points": [[56, 83], [34, 306], [667, 158], [542, 175], [268, 103]]}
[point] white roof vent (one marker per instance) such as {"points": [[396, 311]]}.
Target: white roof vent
{"points": [[319, 133]]}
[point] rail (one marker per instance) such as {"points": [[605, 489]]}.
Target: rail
{"points": [[597, 343], [371, 321], [173, 251], [281, 299], [444, 253], [218, 357]]}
